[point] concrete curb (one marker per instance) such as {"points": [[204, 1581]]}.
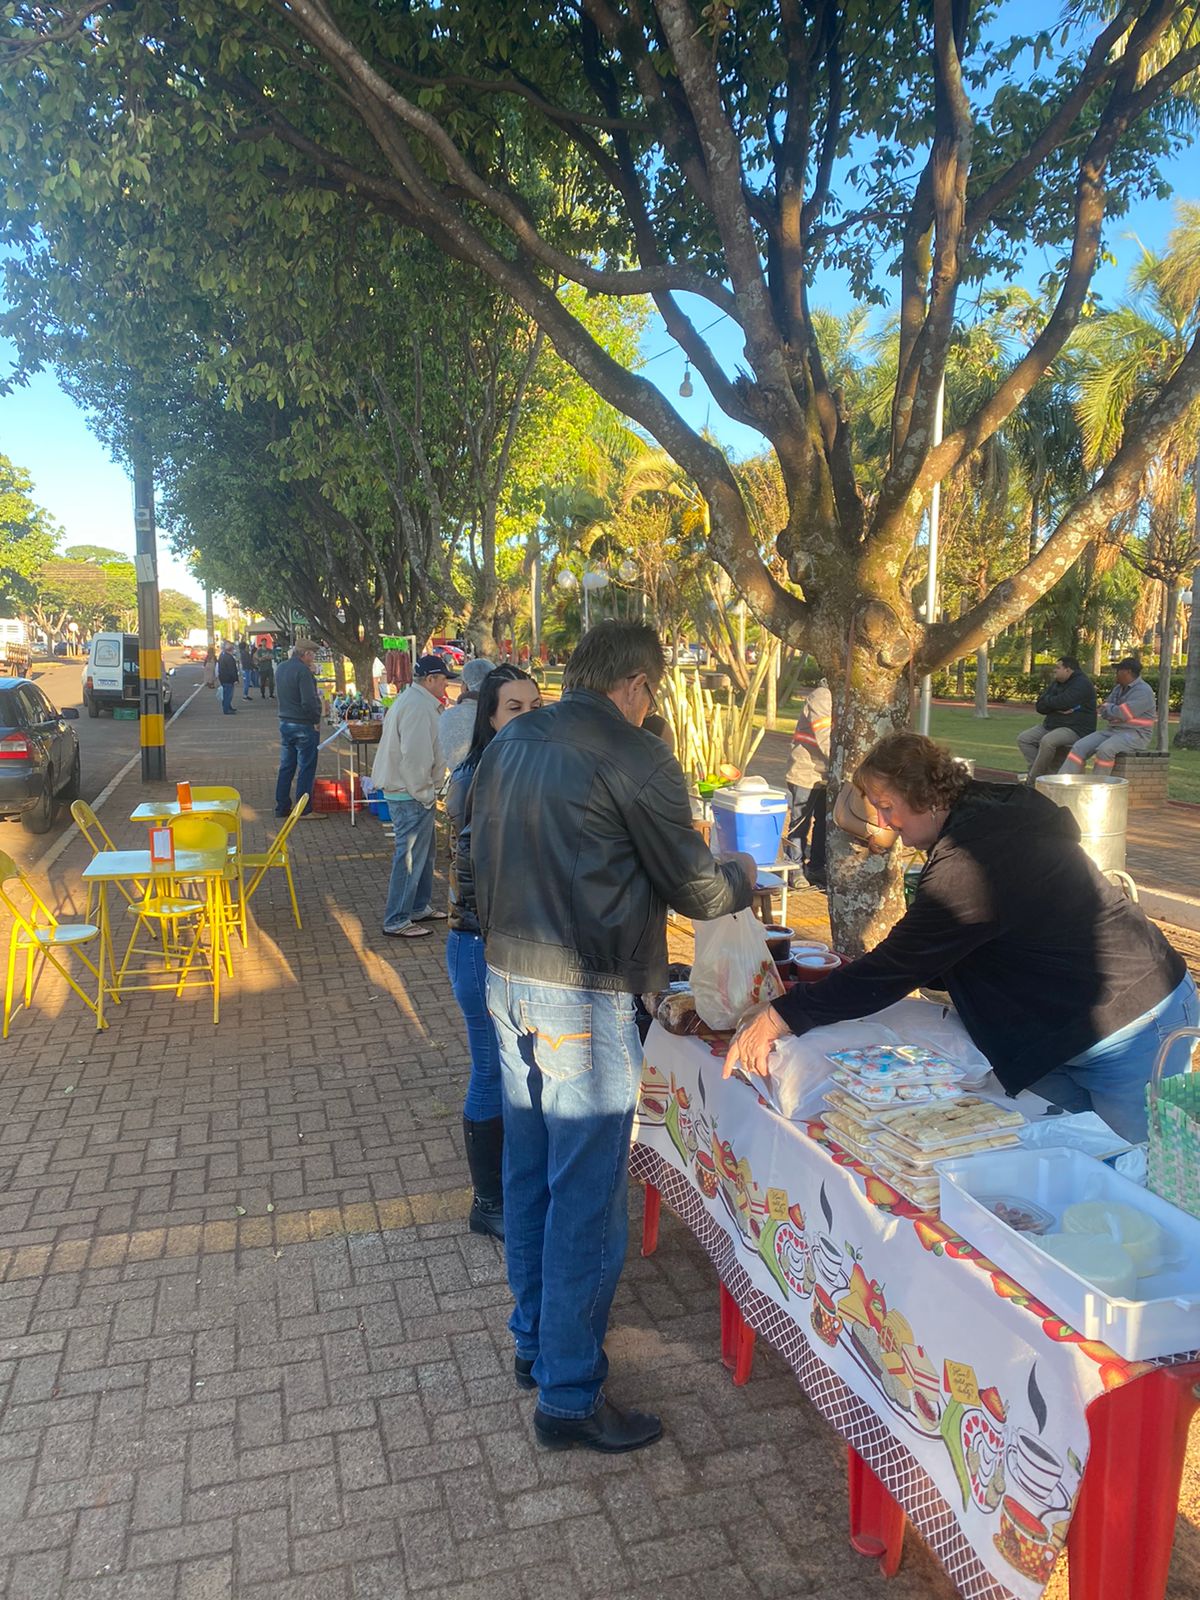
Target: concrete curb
{"points": [[1178, 910]]}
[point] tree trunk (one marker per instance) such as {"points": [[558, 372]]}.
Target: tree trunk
{"points": [[981, 682], [1027, 649], [866, 891], [1097, 651], [1165, 658], [772, 683], [1188, 735]]}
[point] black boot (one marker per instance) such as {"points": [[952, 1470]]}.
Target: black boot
{"points": [[485, 1142]]}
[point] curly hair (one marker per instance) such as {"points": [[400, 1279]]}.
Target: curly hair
{"points": [[926, 776]]}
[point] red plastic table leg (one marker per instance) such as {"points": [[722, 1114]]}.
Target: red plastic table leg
{"points": [[1124, 1522], [650, 1215], [729, 1320], [743, 1352], [877, 1522]]}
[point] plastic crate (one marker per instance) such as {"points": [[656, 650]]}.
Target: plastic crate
{"points": [[331, 794]]}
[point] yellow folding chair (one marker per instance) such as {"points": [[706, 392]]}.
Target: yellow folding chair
{"points": [[276, 855], [94, 831], [36, 933], [216, 791], [193, 831]]}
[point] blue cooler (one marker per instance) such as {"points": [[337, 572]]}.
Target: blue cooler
{"points": [[750, 816]]}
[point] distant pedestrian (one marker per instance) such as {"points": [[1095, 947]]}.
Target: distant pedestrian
{"points": [[408, 767], [1131, 712], [227, 677], [456, 725], [210, 669], [264, 663], [247, 663], [1067, 706], [299, 721], [807, 775]]}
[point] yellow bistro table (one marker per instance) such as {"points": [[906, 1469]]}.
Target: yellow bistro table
{"points": [[164, 810], [134, 868]]}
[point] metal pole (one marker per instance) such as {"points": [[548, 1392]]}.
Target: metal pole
{"points": [[152, 728], [931, 581], [208, 617]]}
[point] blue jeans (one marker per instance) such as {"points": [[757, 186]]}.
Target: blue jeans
{"points": [[227, 697], [1110, 1078], [246, 676], [411, 883], [467, 966], [570, 1063], [297, 758]]}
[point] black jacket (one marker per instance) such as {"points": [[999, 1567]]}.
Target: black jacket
{"points": [[296, 695], [463, 915], [581, 836], [1042, 956], [227, 667], [1069, 705]]}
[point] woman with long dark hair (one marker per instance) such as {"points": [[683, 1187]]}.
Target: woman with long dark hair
{"points": [[505, 693]]}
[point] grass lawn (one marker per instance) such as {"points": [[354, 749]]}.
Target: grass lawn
{"points": [[992, 742]]}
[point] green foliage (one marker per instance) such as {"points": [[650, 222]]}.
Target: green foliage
{"points": [[178, 613], [27, 536]]}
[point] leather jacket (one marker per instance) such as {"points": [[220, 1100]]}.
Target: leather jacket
{"points": [[463, 916], [1069, 705], [580, 838]]}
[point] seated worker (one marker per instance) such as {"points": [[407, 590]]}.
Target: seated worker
{"points": [[807, 772], [1068, 706], [1061, 981], [1130, 711]]}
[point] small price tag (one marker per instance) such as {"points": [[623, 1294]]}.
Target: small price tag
{"points": [[961, 1382], [777, 1204], [162, 847]]}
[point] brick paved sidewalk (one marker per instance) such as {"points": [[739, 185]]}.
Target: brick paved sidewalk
{"points": [[248, 1348]]}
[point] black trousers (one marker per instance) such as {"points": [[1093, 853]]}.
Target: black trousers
{"points": [[806, 833]]}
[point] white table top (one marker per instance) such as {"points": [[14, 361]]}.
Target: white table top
{"points": [[122, 866]]}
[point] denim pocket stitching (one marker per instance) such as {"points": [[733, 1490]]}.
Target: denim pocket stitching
{"points": [[567, 1052]]}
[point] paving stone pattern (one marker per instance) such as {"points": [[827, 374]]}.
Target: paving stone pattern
{"points": [[248, 1348]]}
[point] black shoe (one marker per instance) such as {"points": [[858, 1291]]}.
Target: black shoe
{"points": [[484, 1143], [523, 1372], [487, 1216], [608, 1429]]}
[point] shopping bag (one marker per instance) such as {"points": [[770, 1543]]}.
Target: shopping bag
{"points": [[733, 969]]}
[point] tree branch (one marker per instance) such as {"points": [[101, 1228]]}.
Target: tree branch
{"points": [[1086, 521]]}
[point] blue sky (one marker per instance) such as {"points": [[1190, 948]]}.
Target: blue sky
{"points": [[42, 430]]}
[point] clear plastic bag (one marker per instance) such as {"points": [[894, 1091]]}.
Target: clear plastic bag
{"points": [[733, 970]]}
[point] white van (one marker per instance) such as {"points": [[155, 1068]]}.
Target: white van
{"points": [[14, 635], [112, 678]]}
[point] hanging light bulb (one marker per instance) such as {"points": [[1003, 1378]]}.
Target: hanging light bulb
{"points": [[567, 581], [627, 571], [685, 388]]}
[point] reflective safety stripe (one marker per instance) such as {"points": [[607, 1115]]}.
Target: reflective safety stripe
{"points": [[150, 664], [153, 730]]}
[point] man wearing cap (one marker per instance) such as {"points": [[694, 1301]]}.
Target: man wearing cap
{"points": [[408, 768], [298, 702], [456, 724], [1130, 711]]}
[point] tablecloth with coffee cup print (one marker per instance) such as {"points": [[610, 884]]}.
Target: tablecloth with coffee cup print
{"points": [[963, 1393]]}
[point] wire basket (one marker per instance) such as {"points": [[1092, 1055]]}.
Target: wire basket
{"points": [[1173, 1115], [364, 732]]}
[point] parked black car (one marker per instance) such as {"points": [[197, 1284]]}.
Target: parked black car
{"points": [[39, 755]]}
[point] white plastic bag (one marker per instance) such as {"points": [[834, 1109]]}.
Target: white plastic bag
{"points": [[733, 969]]}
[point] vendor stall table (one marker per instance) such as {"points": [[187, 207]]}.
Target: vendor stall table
{"points": [[969, 1407], [135, 869]]}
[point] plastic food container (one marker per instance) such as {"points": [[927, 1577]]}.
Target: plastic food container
{"points": [[1020, 1215], [1165, 1322]]}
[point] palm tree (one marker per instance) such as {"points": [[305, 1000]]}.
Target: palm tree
{"points": [[1128, 355]]}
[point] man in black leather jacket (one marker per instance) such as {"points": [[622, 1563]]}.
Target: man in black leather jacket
{"points": [[581, 836], [1068, 706]]}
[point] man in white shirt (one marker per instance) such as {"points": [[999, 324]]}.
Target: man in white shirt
{"points": [[408, 768]]}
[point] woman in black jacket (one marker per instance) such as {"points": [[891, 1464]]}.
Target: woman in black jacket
{"points": [[1061, 982], [506, 693]]}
